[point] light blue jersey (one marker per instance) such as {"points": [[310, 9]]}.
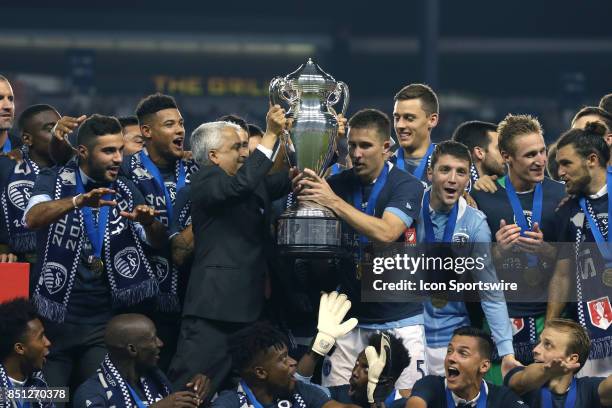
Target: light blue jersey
{"points": [[471, 227]]}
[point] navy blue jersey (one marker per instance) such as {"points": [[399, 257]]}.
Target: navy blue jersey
{"points": [[340, 393], [496, 207], [432, 390], [90, 300], [312, 396], [401, 195], [587, 395]]}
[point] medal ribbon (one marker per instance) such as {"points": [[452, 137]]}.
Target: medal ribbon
{"points": [[250, 395], [482, 398], [420, 170], [8, 146], [519, 215], [358, 196], [604, 247], [570, 401], [95, 232], [135, 396], [430, 236], [18, 402], [152, 168]]}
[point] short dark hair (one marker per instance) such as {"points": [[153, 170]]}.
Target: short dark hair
{"points": [[606, 103], [552, 166], [587, 141], [400, 358], [372, 119], [30, 112], [474, 134], [485, 343], [248, 344], [97, 125], [455, 149], [153, 104], [14, 317], [513, 126], [255, 130], [236, 120], [429, 99], [128, 121], [605, 116]]}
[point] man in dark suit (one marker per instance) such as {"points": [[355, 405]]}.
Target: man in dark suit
{"points": [[231, 196]]}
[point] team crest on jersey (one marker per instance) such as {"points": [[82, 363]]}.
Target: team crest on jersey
{"points": [[19, 193], [142, 174], [410, 235], [127, 262], [54, 276], [518, 324], [460, 238], [600, 312], [160, 267], [68, 177]]}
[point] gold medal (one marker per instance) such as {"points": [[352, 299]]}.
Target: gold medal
{"points": [[438, 303], [606, 278], [532, 276], [96, 265]]}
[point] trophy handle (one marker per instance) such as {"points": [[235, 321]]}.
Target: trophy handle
{"points": [[341, 90], [345, 92], [278, 91]]}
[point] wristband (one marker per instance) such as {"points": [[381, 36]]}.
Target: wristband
{"points": [[74, 204]]}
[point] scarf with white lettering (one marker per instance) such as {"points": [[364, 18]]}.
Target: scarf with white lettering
{"points": [[116, 388], [155, 195], [129, 273], [15, 196]]}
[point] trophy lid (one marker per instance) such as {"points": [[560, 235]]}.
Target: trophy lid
{"points": [[310, 74]]}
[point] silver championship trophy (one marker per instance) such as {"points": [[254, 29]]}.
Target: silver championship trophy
{"points": [[307, 229]]}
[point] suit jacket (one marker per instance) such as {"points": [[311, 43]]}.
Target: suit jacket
{"points": [[231, 230]]}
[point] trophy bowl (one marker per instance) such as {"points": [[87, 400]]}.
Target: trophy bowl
{"points": [[307, 229]]}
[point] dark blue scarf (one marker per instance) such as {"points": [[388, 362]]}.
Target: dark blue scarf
{"points": [[36, 380], [117, 390], [594, 301], [129, 273], [14, 199], [147, 177]]}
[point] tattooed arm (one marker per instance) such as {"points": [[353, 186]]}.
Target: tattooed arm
{"points": [[182, 247]]}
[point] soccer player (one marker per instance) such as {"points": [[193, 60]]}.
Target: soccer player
{"points": [[551, 381], [92, 227], [583, 156], [467, 360], [23, 351], [376, 202], [520, 215], [17, 178], [132, 137], [481, 139], [129, 375], [446, 217], [415, 114]]}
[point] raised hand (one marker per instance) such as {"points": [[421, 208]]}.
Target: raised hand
{"points": [[142, 214], [94, 198], [333, 307], [65, 126]]}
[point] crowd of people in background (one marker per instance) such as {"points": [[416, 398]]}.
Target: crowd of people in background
{"points": [[155, 279]]}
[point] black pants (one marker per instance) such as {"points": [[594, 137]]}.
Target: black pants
{"points": [[75, 354], [202, 348]]}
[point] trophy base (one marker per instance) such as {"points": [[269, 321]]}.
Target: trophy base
{"points": [[309, 230]]}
